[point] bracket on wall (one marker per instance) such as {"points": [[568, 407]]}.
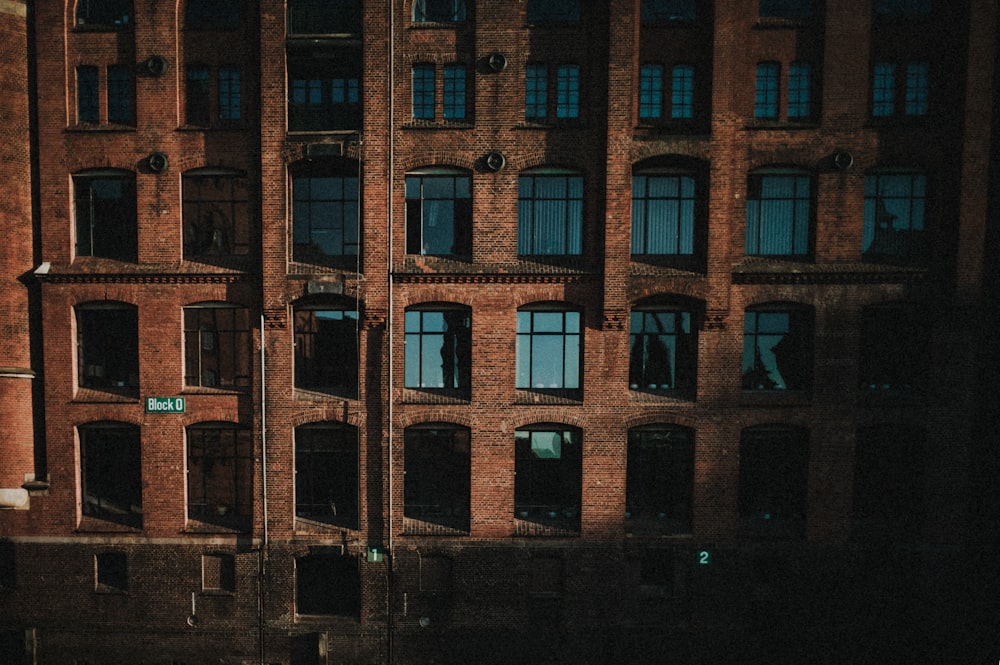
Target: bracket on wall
{"points": [[157, 162]]}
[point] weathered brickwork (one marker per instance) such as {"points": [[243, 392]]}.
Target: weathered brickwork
{"points": [[220, 546]]}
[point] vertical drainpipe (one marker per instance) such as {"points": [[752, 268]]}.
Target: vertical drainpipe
{"points": [[389, 320], [263, 491]]}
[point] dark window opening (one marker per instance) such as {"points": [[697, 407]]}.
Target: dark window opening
{"points": [[548, 466], [119, 94], [663, 351], [437, 485], [87, 94], [786, 8], [108, 348], [106, 216], [326, 350], [895, 208], [889, 463], [439, 212], [438, 350], [216, 214], [111, 571], [777, 349], [549, 350], [324, 17], [553, 11], [439, 11], [104, 13], [774, 472], [212, 15], [894, 350], [324, 90], [217, 347], [903, 7], [218, 573], [220, 474], [326, 474], [660, 479], [325, 211], [111, 472], [198, 97], [669, 10], [327, 584]]}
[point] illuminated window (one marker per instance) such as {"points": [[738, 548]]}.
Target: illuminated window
{"points": [[766, 94]]}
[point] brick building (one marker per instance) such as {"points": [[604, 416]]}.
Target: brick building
{"points": [[443, 330]]}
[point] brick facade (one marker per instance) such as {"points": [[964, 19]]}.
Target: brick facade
{"points": [[372, 580]]}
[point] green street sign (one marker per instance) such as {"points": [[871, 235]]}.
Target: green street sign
{"points": [[164, 405]]}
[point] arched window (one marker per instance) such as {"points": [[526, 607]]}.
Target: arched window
{"points": [[439, 11], [777, 347], [111, 472], [438, 349], [327, 347], [663, 348], [548, 461], [220, 473], [439, 212], [549, 349], [438, 471], [894, 221], [217, 345], [549, 212], [115, 14], [326, 473], [774, 478], [107, 334], [660, 479], [105, 210], [216, 213], [779, 213]]}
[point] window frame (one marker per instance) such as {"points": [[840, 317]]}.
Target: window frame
{"points": [[660, 465], [899, 90], [119, 17], [420, 186], [112, 220], [416, 337], [111, 572], [796, 225], [545, 12], [218, 573], [654, 11], [322, 17], [88, 94], [536, 87], [758, 365], [421, 13], [306, 210], [800, 98], [681, 231], [769, 478], [219, 237], [231, 20], [878, 206], [767, 89], [336, 358], [454, 94], [107, 349], [111, 480], [437, 462], [206, 502], [682, 350], [529, 343], [531, 205], [651, 93], [335, 445], [535, 469], [324, 93], [206, 337], [424, 97], [568, 90]]}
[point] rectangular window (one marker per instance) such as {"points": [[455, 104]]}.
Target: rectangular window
{"points": [[795, 9], [779, 215], [218, 573], [439, 213], [198, 103], [668, 10], [111, 472], [325, 212], [766, 96], [108, 347], [326, 474], [548, 466], [568, 92], [111, 572], [777, 353], [423, 92], [682, 92], [799, 100], [324, 90], [217, 347], [105, 210], [454, 92], [536, 92], [884, 90], [663, 214], [895, 205], [550, 214], [326, 351], [438, 11], [548, 350], [119, 94], [917, 92], [660, 479], [216, 214], [220, 474], [438, 350], [87, 94], [662, 351], [651, 91], [323, 17], [230, 104], [437, 482]]}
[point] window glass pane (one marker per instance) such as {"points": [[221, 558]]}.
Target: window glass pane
{"points": [[229, 93], [798, 90], [111, 472], [441, 11], [423, 91], [917, 88], [535, 95], [682, 93], [87, 94], [660, 479], [668, 10], [119, 94], [555, 11], [884, 90], [568, 92], [651, 91], [326, 474], [766, 99], [454, 92]]}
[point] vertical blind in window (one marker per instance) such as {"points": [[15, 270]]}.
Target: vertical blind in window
{"points": [[550, 214]]}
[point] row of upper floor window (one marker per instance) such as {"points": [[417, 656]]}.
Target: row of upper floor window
{"points": [[326, 95], [663, 350], [547, 462], [669, 213], [345, 16]]}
